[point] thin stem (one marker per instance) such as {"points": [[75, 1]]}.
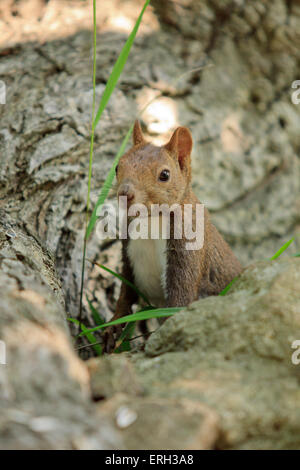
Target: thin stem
{"points": [[101, 342], [90, 162]]}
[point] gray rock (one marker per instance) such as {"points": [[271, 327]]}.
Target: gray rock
{"points": [[230, 354]]}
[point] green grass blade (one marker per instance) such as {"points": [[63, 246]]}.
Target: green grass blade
{"points": [[119, 65], [296, 255], [91, 153], [123, 344], [226, 289], [277, 254], [138, 316], [95, 314], [107, 184], [119, 276], [93, 108], [91, 338], [112, 81], [282, 249]]}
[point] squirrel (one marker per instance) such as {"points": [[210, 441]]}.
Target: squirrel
{"points": [[164, 269]]}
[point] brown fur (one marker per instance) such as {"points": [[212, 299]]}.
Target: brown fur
{"points": [[190, 273]]}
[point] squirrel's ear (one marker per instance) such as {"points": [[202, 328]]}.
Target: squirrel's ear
{"points": [[181, 144], [138, 137]]}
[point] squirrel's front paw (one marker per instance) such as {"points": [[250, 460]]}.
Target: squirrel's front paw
{"points": [[110, 337]]}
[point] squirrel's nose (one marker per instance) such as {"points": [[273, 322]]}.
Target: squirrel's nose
{"points": [[126, 190]]}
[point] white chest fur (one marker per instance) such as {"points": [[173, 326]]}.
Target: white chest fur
{"points": [[149, 263]]}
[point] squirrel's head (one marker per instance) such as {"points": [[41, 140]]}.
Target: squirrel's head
{"points": [[148, 174]]}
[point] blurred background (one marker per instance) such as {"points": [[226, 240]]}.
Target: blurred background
{"points": [[222, 68]]}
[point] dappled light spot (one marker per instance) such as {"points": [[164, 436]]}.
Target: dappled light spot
{"points": [[160, 116], [32, 297], [232, 137], [121, 23]]}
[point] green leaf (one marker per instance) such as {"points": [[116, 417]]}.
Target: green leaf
{"points": [[91, 338], [297, 255], [118, 67], [107, 184], [95, 314], [282, 249], [226, 289], [123, 279], [123, 342], [138, 316]]}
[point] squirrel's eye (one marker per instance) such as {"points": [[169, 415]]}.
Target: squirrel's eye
{"points": [[165, 175], [116, 169]]}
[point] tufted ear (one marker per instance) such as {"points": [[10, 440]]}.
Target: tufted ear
{"points": [[138, 137], [181, 144]]}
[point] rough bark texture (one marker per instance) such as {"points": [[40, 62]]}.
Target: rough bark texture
{"points": [[246, 168], [44, 387]]}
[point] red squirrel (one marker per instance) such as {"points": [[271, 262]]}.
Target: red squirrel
{"points": [[163, 269]]}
